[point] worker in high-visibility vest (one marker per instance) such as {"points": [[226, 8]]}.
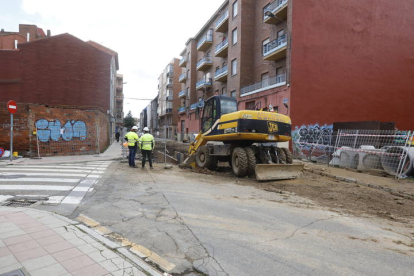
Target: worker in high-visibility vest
{"points": [[146, 144], [132, 139]]}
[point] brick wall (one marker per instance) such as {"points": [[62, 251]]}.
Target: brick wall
{"points": [[58, 71], [79, 135]]}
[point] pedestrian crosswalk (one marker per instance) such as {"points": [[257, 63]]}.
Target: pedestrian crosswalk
{"points": [[59, 184]]}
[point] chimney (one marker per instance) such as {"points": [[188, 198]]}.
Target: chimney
{"points": [[48, 33]]}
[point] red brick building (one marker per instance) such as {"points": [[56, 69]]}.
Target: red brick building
{"points": [[317, 61], [61, 82]]}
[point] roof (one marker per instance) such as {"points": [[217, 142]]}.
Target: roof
{"points": [[106, 50], [40, 32]]}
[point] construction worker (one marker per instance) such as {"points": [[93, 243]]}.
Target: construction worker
{"points": [[146, 144], [132, 139]]}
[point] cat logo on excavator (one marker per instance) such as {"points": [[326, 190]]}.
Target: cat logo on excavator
{"points": [[272, 127]]}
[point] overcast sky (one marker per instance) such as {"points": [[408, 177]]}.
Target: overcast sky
{"points": [[147, 34]]}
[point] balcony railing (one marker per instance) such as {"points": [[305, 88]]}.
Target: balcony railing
{"points": [[206, 61], [276, 8], [120, 98], [203, 83], [220, 22], [221, 47], [276, 81], [205, 40], [183, 62], [183, 77], [169, 98], [221, 74], [193, 106], [181, 109], [168, 110], [275, 45], [182, 94]]}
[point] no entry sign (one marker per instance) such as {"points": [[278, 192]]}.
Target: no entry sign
{"points": [[12, 107]]}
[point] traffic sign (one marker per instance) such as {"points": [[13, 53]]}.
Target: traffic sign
{"points": [[1, 152], [12, 107]]}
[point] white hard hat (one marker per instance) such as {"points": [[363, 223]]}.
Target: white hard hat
{"points": [[135, 127], [146, 129]]}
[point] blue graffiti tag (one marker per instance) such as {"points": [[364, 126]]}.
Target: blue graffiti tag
{"points": [[53, 130]]}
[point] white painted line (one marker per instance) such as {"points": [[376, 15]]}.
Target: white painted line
{"points": [[90, 190], [4, 198], [52, 167], [54, 200], [42, 170], [23, 179], [72, 200], [48, 174], [80, 189], [36, 187]]}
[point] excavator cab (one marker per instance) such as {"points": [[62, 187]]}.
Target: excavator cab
{"points": [[214, 108]]}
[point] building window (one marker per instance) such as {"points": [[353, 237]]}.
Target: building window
{"points": [[235, 9], [264, 10], [265, 79], [280, 33], [233, 94], [264, 43], [250, 105], [234, 36], [223, 91], [234, 67]]}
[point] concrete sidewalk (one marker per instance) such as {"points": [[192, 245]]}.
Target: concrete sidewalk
{"points": [[42, 244], [114, 151]]}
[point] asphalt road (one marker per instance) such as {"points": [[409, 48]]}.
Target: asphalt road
{"points": [[210, 224]]}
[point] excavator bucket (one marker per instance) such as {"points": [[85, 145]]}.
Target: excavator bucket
{"points": [[267, 172]]}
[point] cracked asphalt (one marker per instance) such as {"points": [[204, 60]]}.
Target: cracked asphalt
{"points": [[209, 224]]}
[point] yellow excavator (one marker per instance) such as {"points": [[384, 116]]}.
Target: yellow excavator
{"points": [[247, 139]]}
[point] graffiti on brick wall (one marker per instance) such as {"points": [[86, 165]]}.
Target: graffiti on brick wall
{"points": [[55, 131], [311, 139]]}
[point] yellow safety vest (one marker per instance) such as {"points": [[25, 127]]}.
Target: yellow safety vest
{"points": [[132, 138], [146, 142]]}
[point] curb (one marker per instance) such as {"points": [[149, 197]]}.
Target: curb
{"points": [[356, 181], [138, 254]]}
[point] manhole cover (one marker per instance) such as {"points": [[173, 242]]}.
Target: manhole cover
{"points": [[17, 204], [18, 272], [12, 177]]}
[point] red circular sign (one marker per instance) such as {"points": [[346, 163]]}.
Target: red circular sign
{"points": [[12, 107]]}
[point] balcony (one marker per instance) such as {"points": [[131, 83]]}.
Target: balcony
{"points": [[182, 94], [279, 9], [222, 23], [222, 48], [275, 49], [181, 109], [204, 63], [263, 85], [170, 72], [183, 62], [203, 83], [221, 74], [119, 86], [205, 42], [193, 106], [169, 98], [120, 98], [168, 111], [170, 83], [182, 78]]}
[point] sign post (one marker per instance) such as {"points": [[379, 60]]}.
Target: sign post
{"points": [[12, 107]]}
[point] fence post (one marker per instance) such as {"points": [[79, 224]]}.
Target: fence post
{"points": [[404, 156], [97, 139]]}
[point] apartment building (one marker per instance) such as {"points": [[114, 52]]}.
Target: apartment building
{"points": [[119, 103], [169, 99], [316, 61]]}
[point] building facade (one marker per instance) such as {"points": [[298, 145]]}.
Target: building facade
{"points": [[169, 91], [65, 90], [119, 103], [315, 61]]}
